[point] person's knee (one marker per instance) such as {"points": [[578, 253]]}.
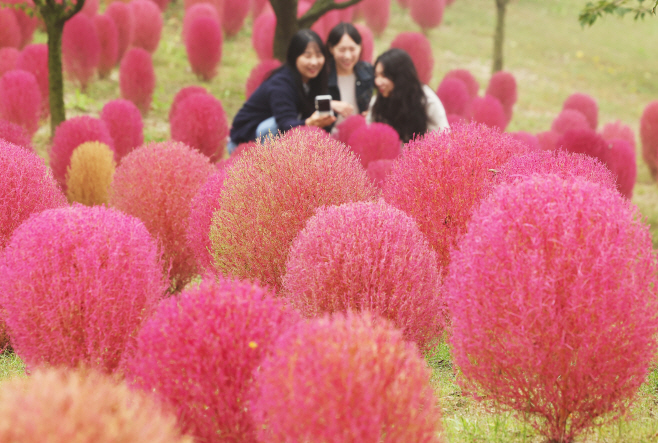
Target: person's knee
{"points": [[266, 129]]}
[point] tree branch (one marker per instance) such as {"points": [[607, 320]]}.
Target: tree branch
{"points": [[592, 11], [320, 7], [78, 6]]}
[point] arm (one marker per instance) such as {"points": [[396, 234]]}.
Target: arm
{"points": [[369, 114], [436, 114], [283, 102]]}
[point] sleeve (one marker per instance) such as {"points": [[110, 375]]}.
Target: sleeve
{"points": [[436, 114], [369, 114], [283, 103]]}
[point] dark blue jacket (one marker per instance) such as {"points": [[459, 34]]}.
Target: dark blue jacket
{"points": [[276, 97], [365, 83]]}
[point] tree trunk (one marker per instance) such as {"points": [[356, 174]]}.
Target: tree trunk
{"points": [[499, 35], [55, 29], [286, 26]]}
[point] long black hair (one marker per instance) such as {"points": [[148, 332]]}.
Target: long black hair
{"points": [[405, 107], [338, 31]]}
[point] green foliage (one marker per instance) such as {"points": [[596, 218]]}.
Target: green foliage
{"points": [[592, 11]]}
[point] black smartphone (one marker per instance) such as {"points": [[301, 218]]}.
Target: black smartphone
{"points": [[323, 104]]}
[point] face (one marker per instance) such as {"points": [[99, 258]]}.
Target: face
{"points": [[384, 84], [310, 62], [346, 53]]}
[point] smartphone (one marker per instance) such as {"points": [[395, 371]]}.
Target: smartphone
{"points": [[323, 104]]}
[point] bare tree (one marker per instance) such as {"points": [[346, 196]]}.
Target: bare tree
{"points": [[499, 35]]}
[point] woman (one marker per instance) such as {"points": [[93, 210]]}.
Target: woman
{"points": [[402, 101], [286, 99], [351, 80]]}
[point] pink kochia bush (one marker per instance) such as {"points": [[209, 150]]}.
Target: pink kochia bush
{"points": [[20, 99], [322, 372], [109, 43], [182, 94], [27, 186], [454, 96], [367, 42], [156, 183], [198, 10], [502, 85], [649, 137], [427, 14], [569, 119], [554, 286], [469, 80], [203, 43], [258, 75], [620, 159], [377, 141], [137, 77], [34, 59], [8, 59], [583, 141], [199, 350], [262, 37], [489, 111], [442, 177], [347, 127], [81, 49], [124, 123], [235, 11], [15, 134], [77, 284], [270, 192], [586, 105], [367, 256], [124, 20], [148, 25], [532, 141], [376, 14], [618, 130], [10, 30], [378, 170], [419, 49]]}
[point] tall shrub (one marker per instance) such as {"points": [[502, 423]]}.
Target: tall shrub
{"points": [[8, 58], [489, 111], [203, 43], [10, 31], [586, 105], [258, 75], [649, 137], [262, 36], [125, 125], [376, 14], [198, 10], [427, 14], [182, 94], [148, 25], [454, 96], [569, 119], [200, 122], [583, 141], [124, 20], [532, 141], [137, 78], [34, 59], [467, 77], [81, 49], [367, 42], [108, 38], [419, 49], [620, 159], [502, 85], [90, 173], [13, 133], [347, 127], [618, 130], [235, 11], [20, 99], [376, 141]]}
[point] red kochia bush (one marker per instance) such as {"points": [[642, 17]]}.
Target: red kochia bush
{"points": [[548, 140], [182, 94], [148, 24], [322, 372], [367, 256], [377, 141], [427, 14], [199, 350], [271, 191], [156, 183], [569, 119], [620, 159], [454, 96], [235, 11], [109, 42], [367, 42], [69, 135], [81, 49], [20, 99], [376, 14], [419, 49], [553, 287], [34, 59], [137, 78], [200, 122], [26, 187], [8, 59], [124, 123], [468, 79], [502, 85], [586, 105], [525, 137], [26, 23], [441, 177], [649, 137], [262, 36], [259, 74], [15, 134], [583, 141], [203, 43], [378, 170], [195, 11], [345, 129], [124, 20], [90, 8], [618, 130], [489, 111], [10, 31], [78, 283]]}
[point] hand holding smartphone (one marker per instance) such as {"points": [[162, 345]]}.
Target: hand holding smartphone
{"points": [[323, 105]]}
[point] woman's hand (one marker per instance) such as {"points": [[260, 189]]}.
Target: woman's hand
{"points": [[342, 108], [320, 121]]}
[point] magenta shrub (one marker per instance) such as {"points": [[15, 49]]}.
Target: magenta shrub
{"points": [[20, 99], [15, 134], [367, 42], [569, 119], [258, 7], [109, 42], [554, 286], [548, 140], [156, 183], [81, 49], [262, 36], [27, 186], [235, 11], [441, 178], [124, 20], [620, 159], [8, 59], [182, 94], [201, 123], [90, 8], [469, 80], [270, 192], [345, 128], [367, 256], [502, 85], [78, 283], [377, 141], [333, 367], [586, 105], [583, 141], [618, 130], [198, 10], [162, 4], [454, 96], [69, 135], [137, 77], [203, 43], [378, 170], [199, 350], [427, 14], [419, 49], [259, 74], [34, 59], [376, 14], [649, 137], [530, 140], [124, 123], [217, 4], [148, 25], [489, 111], [26, 23], [10, 30]]}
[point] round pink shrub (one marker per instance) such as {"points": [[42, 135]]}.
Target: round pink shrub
{"points": [[162, 4], [262, 36], [649, 137], [20, 99], [583, 141], [332, 367], [376, 14], [367, 256], [454, 119], [325, 23], [69, 135], [403, 3], [182, 94], [81, 49], [419, 49], [618, 130], [530, 140], [199, 350], [235, 11], [217, 4], [441, 178], [569, 119], [620, 159], [489, 111], [454, 96], [156, 183], [27, 186], [10, 31], [124, 123], [26, 23], [378, 170], [502, 85], [469, 80], [13, 133], [90, 8], [258, 7], [586, 105], [198, 10], [201, 123], [271, 190], [109, 42], [124, 20], [548, 140], [34, 59], [148, 25], [78, 283], [203, 44], [577, 302], [377, 141], [137, 77], [346, 128], [427, 14], [367, 42], [8, 59], [258, 75]]}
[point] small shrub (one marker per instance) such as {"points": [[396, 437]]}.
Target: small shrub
{"points": [[376, 13], [489, 111], [10, 30], [548, 140], [334, 367], [235, 11], [15, 134], [20, 99], [454, 96], [569, 119], [258, 7], [34, 59], [81, 49], [502, 85], [182, 94], [620, 159], [162, 4], [203, 44], [553, 286], [367, 42], [217, 4], [109, 43], [124, 123], [262, 36], [26, 23], [618, 130], [200, 122], [531, 141], [378, 170], [419, 49], [377, 141], [583, 141], [8, 58], [199, 350], [148, 25], [427, 14], [79, 282], [90, 8], [198, 10], [90, 173], [259, 74], [124, 20], [347, 127], [469, 80], [649, 137], [586, 105], [137, 77]]}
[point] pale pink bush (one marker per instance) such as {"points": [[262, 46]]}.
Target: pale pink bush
{"points": [[553, 287], [109, 43], [34, 59], [258, 75], [569, 119], [376, 14], [548, 140], [198, 10], [620, 159], [376, 141], [235, 11], [20, 99], [81, 49], [199, 350], [583, 141], [148, 25], [125, 125], [124, 20], [201, 123], [649, 137], [182, 94], [90, 8], [78, 283], [26, 23], [262, 36], [10, 30], [258, 7], [469, 80], [454, 96], [162, 4], [419, 49], [27, 186], [15, 134], [203, 44], [367, 256], [427, 14], [69, 135], [502, 85], [586, 105], [489, 111], [367, 42], [324, 371], [156, 183], [217, 4], [441, 178], [270, 192], [346, 128], [378, 170], [137, 77], [618, 130], [532, 141], [8, 58]]}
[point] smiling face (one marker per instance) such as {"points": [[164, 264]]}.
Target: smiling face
{"points": [[346, 53], [310, 62], [384, 84]]}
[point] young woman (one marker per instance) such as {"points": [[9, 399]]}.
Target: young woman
{"points": [[286, 99], [351, 80], [402, 102]]}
